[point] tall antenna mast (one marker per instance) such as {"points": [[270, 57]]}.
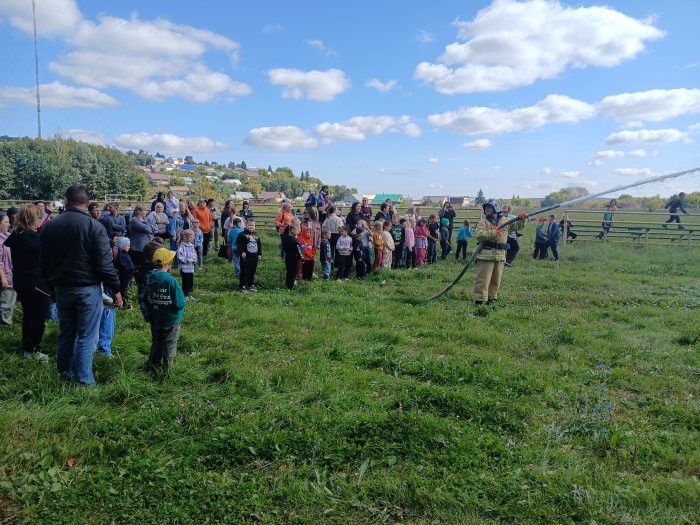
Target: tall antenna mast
{"points": [[36, 70]]}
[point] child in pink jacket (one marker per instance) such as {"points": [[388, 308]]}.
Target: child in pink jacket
{"points": [[422, 233]]}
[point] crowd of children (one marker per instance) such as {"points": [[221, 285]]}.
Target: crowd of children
{"points": [[341, 244]]}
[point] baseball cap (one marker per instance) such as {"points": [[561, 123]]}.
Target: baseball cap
{"points": [[444, 221], [163, 256]]}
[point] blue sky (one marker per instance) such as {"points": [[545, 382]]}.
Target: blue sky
{"points": [[414, 98]]}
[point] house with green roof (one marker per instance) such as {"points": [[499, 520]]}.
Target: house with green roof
{"points": [[382, 197]]}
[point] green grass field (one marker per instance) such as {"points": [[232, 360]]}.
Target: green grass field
{"points": [[359, 402]]}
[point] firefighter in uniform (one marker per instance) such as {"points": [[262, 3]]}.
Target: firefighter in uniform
{"points": [[492, 257]]}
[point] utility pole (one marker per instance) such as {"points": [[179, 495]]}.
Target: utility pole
{"points": [[36, 70]]}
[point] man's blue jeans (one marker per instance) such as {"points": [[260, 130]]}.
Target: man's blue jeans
{"points": [[79, 314], [106, 334]]}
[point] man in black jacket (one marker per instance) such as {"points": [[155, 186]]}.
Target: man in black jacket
{"points": [[75, 260], [673, 206]]}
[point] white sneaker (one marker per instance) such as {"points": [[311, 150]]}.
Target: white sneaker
{"points": [[253, 288], [37, 356]]}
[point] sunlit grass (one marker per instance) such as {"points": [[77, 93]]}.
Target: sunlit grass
{"points": [[360, 402]]}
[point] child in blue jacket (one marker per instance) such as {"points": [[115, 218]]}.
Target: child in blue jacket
{"points": [[463, 235]]}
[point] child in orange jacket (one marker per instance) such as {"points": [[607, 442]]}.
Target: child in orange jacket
{"points": [[308, 251]]}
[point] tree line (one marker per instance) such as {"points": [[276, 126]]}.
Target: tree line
{"points": [[43, 169]]}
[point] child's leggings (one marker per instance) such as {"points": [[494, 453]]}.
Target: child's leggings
{"points": [[378, 257], [462, 247], [409, 257], [420, 256], [187, 282]]}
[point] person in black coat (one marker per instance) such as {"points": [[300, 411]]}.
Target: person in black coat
{"points": [[125, 268], [76, 260], [354, 217], [32, 291], [159, 198], [382, 214], [292, 254], [448, 212], [673, 206]]}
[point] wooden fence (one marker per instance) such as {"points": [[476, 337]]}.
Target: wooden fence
{"points": [[632, 227]]}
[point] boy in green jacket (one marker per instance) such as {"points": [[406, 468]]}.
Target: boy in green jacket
{"points": [[166, 303]]}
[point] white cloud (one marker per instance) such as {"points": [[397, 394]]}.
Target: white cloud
{"points": [[81, 135], [53, 17], [281, 138], [167, 142], [572, 174], [425, 37], [654, 105], [475, 120], [512, 43], [546, 170], [312, 85], [412, 130], [637, 153], [465, 168], [433, 160], [354, 129], [357, 128], [646, 136], [695, 128], [151, 59], [318, 44], [609, 154], [270, 29], [478, 144], [199, 85], [57, 95], [380, 86], [632, 171]]}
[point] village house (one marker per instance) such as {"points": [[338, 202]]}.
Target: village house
{"points": [[382, 197], [439, 200], [267, 197], [159, 179], [181, 191], [241, 196]]}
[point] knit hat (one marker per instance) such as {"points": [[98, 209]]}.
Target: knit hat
{"points": [[124, 241], [359, 229], [444, 221], [163, 256]]}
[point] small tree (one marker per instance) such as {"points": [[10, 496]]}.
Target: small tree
{"points": [[480, 199]]}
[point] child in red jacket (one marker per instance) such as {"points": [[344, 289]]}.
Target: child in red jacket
{"points": [[308, 250]]}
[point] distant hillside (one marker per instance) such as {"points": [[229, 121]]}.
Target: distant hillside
{"points": [[43, 169]]}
